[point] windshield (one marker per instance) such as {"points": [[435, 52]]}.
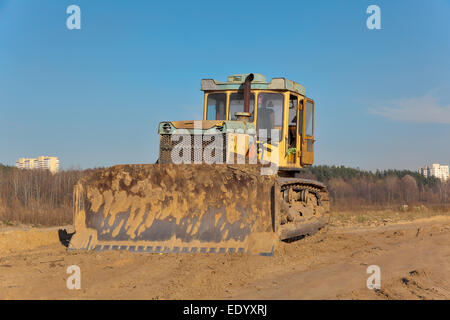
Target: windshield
{"points": [[216, 106], [270, 113], [237, 105]]}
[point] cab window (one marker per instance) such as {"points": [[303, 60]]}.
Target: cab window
{"points": [[216, 106], [309, 118], [270, 113], [300, 118], [237, 105], [292, 132]]}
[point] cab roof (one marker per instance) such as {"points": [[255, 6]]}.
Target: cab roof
{"points": [[236, 81]]}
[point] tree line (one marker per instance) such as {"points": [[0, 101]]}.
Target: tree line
{"points": [[353, 188], [39, 197]]}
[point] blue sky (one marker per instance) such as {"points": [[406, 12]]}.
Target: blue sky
{"points": [[94, 96]]}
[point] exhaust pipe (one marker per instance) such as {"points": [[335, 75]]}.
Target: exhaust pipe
{"points": [[247, 87]]}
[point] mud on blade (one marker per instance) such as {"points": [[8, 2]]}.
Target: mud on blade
{"points": [[176, 208]]}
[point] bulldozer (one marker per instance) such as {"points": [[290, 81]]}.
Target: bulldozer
{"points": [[229, 183]]}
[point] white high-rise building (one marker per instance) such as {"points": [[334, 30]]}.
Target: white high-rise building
{"points": [[435, 170], [43, 162]]}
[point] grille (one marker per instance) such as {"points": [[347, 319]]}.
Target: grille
{"points": [[192, 148]]}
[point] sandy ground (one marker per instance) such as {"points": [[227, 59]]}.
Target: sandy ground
{"points": [[414, 258]]}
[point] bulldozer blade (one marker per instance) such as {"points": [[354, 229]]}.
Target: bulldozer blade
{"points": [[168, 208]]}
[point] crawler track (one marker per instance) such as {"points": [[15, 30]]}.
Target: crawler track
{"points": [[304, 208]]}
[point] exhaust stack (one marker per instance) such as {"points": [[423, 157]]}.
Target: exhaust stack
{"points": [[247, 87], [245, 116]]}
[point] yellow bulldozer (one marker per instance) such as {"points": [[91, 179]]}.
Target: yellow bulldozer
{"points": [[230, 183]]}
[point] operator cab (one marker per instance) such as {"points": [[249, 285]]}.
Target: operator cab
{"points": [[280, 104]]}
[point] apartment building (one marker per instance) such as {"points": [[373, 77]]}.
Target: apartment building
{"points": [[435, 170], [42, 162], [27, 163]]}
